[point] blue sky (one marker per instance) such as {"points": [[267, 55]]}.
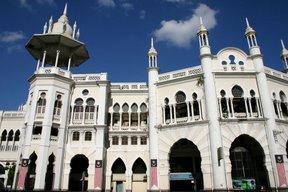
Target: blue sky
{"points": [[117, 35]]}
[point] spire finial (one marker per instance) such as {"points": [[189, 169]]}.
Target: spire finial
{"points": [[65, 10], [74, 29], [201, 22], [152, 42], [247, 22], [78, 34], [45, 28], [283, 46]]}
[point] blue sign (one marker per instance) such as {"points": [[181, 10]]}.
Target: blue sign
{"points": [[180, 176]]}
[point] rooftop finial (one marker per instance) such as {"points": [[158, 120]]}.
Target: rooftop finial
{"points": [[74, 29], [152, 42], [78, 34], [65, 10], [247, 22], [45, 28], [283, 46], [201, 22]]}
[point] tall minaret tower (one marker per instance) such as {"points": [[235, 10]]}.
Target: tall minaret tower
{"points": [[51, 86], [218, 164], [266, 101], [284, 57], [153, 71]]}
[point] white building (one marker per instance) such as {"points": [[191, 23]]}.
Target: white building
{"points": [[213, 126]]}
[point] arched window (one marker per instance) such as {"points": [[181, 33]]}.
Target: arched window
{"points": [[17, 136], [134, 115], [275, 103], [116, 115], [181, 106], [41, 104], [143, 114], [10, 135], [10, 139], [125, 115], [238, 100], [253, 101], [167, 111], [58, 105], [224, 102], [88, 136], [75, 136], [3, 140], [78, 109], [283, 104], [196, 109], [90, 109]]}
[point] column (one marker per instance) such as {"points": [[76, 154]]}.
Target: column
{"points": [[258, 108], [250, 107], [44, 57], [57, 58], [174, 111], [228, 106], [220, 106], [72, 115], [83, 114], [192, 111], [188, 111], [246, 108], [200, 109], [232, 107], [171, 117]]}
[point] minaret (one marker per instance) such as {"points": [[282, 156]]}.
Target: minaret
{"points": [[153, 71], [266, 101], [218, 164], [284, 57], [48, 104]]}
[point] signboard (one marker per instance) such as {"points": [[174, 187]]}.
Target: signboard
{"points": [[181, 176], [244, 184]]}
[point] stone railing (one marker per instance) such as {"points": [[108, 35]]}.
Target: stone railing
{"points": [[129, 86], [180, 74], [275, 73], [53, 70], [14, 114], [90, 77]]}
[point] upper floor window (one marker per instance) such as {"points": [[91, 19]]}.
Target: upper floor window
{"points": [[124, 140], [88, 136], [180, 97], [58, 105], [134, 140], [115, 140], [238, 100], [143, 140], [41, 103], [78, 109], [90, 109], [75, 136], [283, 104]]}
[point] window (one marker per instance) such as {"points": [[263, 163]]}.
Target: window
{"points": [[238, 100], [116, 115], [115, 140], [57, 105], [54, 131], [134, 115], [134, 140], [124, 140], [283, 104], [76, 136], [78, 109], [37, 130], [88, 136], [180, 97], [90, 109], [125, 115], [85, 92], [17, 136], [143, 114], [143, 140], [41, 103]]}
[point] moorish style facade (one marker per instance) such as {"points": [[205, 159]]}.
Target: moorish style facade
{"points": [[220, 125]]}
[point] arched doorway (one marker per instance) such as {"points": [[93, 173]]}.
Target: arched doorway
{"points": [[78, 173], [31, 173], [50, 173], [248, 164], [118, 176], [185, 167], [139, 178]]}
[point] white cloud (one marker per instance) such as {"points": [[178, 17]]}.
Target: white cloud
{"points": [[181, 33], [142, 14], [106, 3], [24, 3], [127, 6], [15, 48], [11, 36]]}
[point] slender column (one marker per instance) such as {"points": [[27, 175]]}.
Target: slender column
{"points": [[69, 63], [278, 109], [232, 107], [57, 58], [192, 111], [120, 119], [83, 114], [246, 108], [200, 109], [220, 107], [44, 57], [111, 121], [129, 120], [38, 64], [139, 122], [72, 115], [171, 119], [164, 116], [95, 114], [174, 110], [250, 107], [258, 108], [228, 106], [188, 111]]}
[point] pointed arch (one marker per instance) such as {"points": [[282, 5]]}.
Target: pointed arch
{"points": [[139, 166], [49, 178], [118, 166], [116, 115], [31, 173], [125, 115], [79, 169], [143, 115]]}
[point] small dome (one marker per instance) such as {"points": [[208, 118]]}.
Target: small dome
{"points": [[62, 27]]}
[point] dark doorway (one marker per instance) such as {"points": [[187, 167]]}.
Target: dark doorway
{"points": [[31, 173], [185, 159], [248, 162], [50, 173], [78, 173]]}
